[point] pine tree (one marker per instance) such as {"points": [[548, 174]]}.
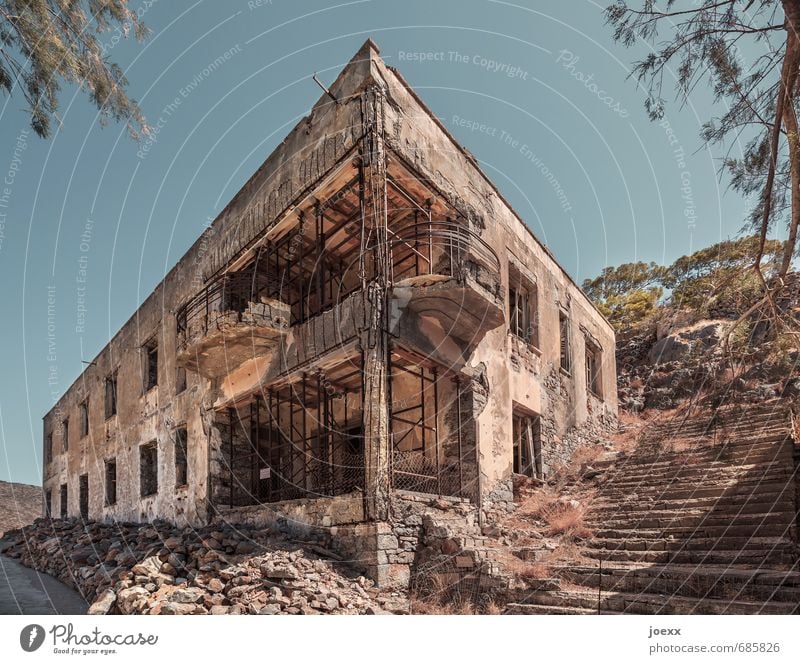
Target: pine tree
{"points": [[748, 53], [46, 43]]}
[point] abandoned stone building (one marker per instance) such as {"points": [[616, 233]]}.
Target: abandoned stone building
{"points": [[368, 322]]}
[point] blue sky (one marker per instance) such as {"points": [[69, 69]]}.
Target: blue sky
{"points": [[90, 221]]}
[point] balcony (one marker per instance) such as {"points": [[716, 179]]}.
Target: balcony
{"points": [[228, 323], [444, 271]]}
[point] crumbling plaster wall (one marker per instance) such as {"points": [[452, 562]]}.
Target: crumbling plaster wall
{"points": [[514, 373], [316, 146]]}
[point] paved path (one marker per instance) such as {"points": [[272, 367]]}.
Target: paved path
{"points": [[25, 591]]}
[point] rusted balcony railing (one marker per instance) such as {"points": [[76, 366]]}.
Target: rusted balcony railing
{"points": [[228, 300], [433, 247]]}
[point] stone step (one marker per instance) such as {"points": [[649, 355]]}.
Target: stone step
{"points": [[780, 556], [663, 518], [701, 582], [632, 474], [664, 465], [689, 543], [732, 529], [652, 603], [733, 504], [521, 609], [666, 492], [694, 431], [740, 442], [620, 485], [709, 451], [704, 425]]}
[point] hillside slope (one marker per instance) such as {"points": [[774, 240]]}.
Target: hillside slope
{"points": [[20, 504]]}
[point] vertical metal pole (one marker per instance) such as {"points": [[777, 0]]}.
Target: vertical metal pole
{"points": [[390, 399], [320, 474], [430, 242], [300, 266], [460, 454], [304, 430], [436, 429], [253, 482], [327, 466], [423, 420], [281, 444], [416, 243], [230, 460], [257, 460], [270, 443]]}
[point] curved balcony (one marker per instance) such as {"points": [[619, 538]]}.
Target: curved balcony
{"points": [[228, 323], [446, 271]]}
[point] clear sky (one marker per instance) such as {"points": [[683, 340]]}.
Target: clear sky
{"points": [[536, 90]]}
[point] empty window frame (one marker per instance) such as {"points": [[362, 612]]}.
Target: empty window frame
{"points": [[83, 496], [48, 448], [564, 341], [65, 433], [148, 469], [111, 481], [83, 417], [48, 503], [527, 449], [150, 361], [111, 395], [180, 380], [522, 307], [593, 369], [63, 499], [181, 458]]}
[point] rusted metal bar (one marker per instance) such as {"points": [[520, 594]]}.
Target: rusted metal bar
{"points": [[460, 452], [230, 457], [436, 429]]}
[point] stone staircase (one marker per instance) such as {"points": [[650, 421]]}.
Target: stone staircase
{"points": [[701, 518]]}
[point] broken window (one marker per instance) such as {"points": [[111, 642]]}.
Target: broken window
{"points": [[111, 395], [526, 431], [593, 364], [181, 462], [48, 448], [522, 307], [150, 351], [65, 434], [148, 469], [83, 496], [564, 341], [111, 481], [83, 414], [63, 498], [48, 503], [180, 380]]}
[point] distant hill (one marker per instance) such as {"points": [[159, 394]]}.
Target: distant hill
{"points": [[20, 504]]}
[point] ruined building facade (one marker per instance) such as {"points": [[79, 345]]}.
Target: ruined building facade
{"points": [[367, 322]]}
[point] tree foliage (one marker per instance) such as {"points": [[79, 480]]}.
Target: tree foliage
{"points": [[748, 53], [46, 43], [714, 279]]}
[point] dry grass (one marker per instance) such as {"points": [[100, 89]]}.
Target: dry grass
{"points": [[557, 515], [538, 570], [568, 520], [440, 598]]}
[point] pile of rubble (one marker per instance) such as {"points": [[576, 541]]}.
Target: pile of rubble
{"points": [[157, 568]]}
